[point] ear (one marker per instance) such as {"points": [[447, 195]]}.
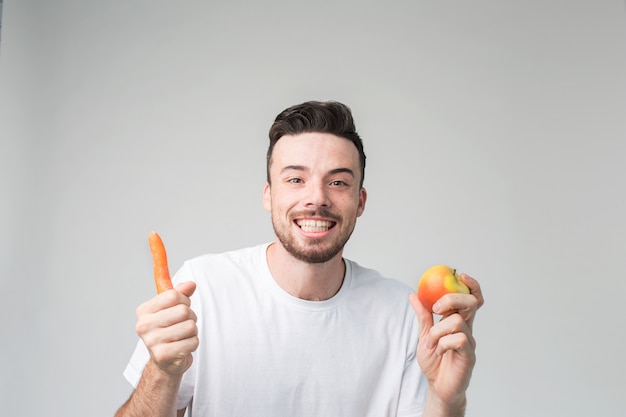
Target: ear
{"points": [[267, 197], [362, 200]]}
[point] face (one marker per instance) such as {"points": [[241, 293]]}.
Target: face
{"points": [[315, 195]]}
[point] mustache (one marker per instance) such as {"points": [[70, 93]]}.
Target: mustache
{"points": [[320, 212]]}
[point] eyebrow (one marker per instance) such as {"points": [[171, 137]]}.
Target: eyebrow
{"points": [[293, 168], [342, 170], [331, 172]]}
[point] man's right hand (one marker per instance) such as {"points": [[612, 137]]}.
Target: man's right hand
{"points": [[167, 326]]}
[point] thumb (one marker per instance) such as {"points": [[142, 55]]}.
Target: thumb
{"points": [[424, 317], [186, 288]]}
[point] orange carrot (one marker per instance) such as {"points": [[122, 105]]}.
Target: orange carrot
{"points": [[159, 258]]}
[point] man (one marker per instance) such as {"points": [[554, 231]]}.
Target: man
{"points": [[292, 328]]}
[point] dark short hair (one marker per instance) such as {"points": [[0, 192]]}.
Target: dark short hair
{"points": [[316, 116]]}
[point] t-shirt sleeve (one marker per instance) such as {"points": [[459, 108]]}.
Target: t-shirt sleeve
{"points": [[137, 363], [414, 385]]}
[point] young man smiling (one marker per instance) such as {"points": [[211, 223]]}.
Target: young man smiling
{"points": [[314, 195], [292, 328]]}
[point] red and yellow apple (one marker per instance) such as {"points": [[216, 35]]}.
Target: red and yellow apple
{"points": [[438, 281]]}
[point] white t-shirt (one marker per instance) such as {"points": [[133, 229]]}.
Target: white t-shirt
{"points": [[264, 352]]}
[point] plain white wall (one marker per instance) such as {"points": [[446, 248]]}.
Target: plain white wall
{"points": [[495, 134]]}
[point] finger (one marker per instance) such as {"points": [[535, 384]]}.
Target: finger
{"points": [[180, 331], [172, 315], [425, 320], [186, 288], [453, 324], [150, 321], [474, 287], [175, 353], [455, 303], [168, 299], [457, 342], [476, 292], [464, 304], [154, 336]]}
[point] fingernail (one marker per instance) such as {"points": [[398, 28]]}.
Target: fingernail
{"points": [[436, 307]]}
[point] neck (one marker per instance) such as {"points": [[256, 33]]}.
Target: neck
{"points": [[308, 281]]}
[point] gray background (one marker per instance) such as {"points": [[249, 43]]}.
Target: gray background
{"points": [[495, 132]]}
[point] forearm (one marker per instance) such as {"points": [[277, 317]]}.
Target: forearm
{"points": [[435, 407], [155, 396]]}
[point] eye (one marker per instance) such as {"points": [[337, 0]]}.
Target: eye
{"points": [[339, 183], [294, 180]]}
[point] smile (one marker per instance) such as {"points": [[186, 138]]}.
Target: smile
{"points": [[314, 226]]}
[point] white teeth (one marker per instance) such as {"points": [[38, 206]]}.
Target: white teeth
{"points": [[314, 225]]}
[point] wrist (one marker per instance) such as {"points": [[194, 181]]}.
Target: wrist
{"points": [[155, 395], [161, 376], [440, 407]]}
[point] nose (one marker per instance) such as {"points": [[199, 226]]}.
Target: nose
{"points": [[317, 196]]}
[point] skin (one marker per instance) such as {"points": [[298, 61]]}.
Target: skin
{"points": [[313, 177], [167, 325], [446, 350]]}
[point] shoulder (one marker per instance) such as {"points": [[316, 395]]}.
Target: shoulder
{"points": [[372, 279], [226, 279], [369, 284], [239, 258], [384, 302], [223, 266]]}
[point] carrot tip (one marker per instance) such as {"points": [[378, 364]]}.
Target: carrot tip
{"points": [[159, 259]]}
